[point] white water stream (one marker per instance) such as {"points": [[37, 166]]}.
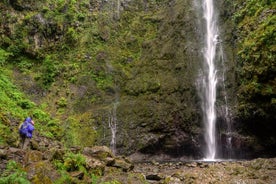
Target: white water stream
{"points": [[112, 123], [210, 79]]}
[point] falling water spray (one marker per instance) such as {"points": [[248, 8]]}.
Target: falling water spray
{"points": [[209, 81]]}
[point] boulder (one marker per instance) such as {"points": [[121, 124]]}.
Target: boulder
{"points": [[98, 151], [33, 156], [96, 165], [77, 174], [102, 153], [123, 164], [3, 154], [16, 154], [54, 154], [42, 172]]}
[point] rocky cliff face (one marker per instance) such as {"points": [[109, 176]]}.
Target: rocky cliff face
{"points": [[145, 61], [159, 112]]}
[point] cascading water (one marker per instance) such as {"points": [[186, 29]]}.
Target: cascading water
{"points": [[112, 123], [209, 81], [112, 117]]}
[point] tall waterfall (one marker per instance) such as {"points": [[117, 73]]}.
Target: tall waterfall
{"points": [[209, 80]]}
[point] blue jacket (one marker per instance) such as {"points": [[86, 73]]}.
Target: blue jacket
{"points": [[30, 129]]}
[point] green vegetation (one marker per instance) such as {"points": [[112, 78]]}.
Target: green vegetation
{"points": [[15, 104], [14, 174], [71, 162], [52, 50], [256, 69], [256, 58]]}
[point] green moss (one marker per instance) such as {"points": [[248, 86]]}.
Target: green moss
{"points": [[256, 59], [79, 131]]}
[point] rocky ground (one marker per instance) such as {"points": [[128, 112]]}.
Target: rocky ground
{"points": [[225, 172], [254, 171], [40, 168]]}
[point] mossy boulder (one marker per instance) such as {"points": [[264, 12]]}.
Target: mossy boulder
{"points": [[102, 153], [33, 156], [42, 172]]}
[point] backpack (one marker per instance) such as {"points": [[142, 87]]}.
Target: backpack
{"points": [[23, 129]]}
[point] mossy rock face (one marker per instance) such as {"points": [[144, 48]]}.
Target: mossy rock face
{"points": [[159, 99], [140, 59], [42, 172], [255, 68]]}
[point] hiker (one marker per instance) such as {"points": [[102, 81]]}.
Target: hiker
{"points": [[26, 132]]}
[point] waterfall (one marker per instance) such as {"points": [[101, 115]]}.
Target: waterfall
{"points": [[112, 117], [112, 123], [209, 80]]}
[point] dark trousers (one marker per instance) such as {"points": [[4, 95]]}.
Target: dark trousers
{"points": [[25, 141]]}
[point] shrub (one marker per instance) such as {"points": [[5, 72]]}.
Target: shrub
{"points": [[3, 56], [50, 71]]}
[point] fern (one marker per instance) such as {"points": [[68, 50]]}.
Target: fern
{"points": [[14, 174]]}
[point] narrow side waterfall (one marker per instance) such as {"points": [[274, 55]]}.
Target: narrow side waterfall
{"points": [[209, 80], [112, 123], [112, 116]]}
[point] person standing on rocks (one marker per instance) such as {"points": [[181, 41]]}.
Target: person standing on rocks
{"points": [[26, 132]]}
